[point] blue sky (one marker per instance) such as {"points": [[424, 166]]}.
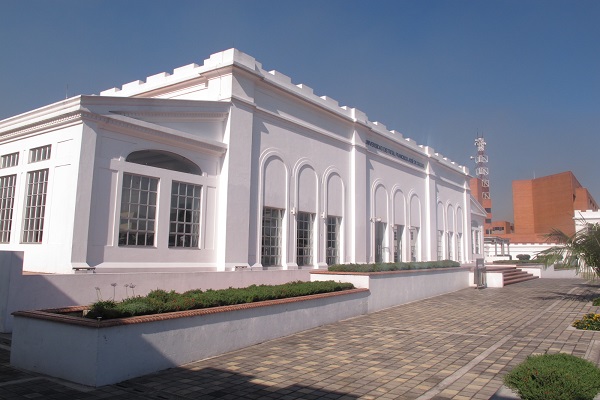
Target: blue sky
{"points": [[524, 74]]}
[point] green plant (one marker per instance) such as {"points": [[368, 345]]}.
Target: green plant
{"points": [[596, 301], [554, 377], [589, 322], [102, 309], [582, 249], [161, 301], [400, 266], [535, 261], [523, 257]]}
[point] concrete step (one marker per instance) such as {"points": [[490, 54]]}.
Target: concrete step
{"points": [[512, 274]]}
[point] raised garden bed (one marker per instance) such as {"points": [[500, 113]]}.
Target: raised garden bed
{"points": [[392, 288], [97, 353]]}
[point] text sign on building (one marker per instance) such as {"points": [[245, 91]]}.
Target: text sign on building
{"points": [[395, 154]]}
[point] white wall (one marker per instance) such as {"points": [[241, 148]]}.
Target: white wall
{"points": [[260, 140], [55, 291], [53, 253], [401, 287]]}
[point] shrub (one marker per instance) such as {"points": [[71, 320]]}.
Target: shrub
{"points": [[102, 309], [161, 301], [589, 322], [596, 301], [523, 257], [554, 377], [400, 266]]}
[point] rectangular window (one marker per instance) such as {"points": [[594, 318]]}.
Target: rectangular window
{"points": [[35, 206], [440, 241], [9, 160], [304, 238], [40, 153], [333, 240], [138, 210], [414, 243], [476, 244], [398, 231], [271, 236], [185, 215], [379, 241], [7, 201]]}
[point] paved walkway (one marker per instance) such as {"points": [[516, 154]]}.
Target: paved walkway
{"points": [[455, 346]]}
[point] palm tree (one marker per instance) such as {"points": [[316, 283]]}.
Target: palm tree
{"points": [[580, 250]]}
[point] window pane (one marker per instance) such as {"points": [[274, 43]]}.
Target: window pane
{"points": [[138, 211], [271, 240], [185, 215], [304, 246], [7, 195], [39, 154], [35, 204]]}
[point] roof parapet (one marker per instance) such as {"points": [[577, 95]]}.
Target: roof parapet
{"points": [[280, 78], [236, 57]]}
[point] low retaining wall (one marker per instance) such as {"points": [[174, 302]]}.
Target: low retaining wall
{"points": [[393, 288], [100, 353], [550, 272]]}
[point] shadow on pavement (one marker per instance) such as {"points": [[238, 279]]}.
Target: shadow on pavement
{"points": [[213, 383]]}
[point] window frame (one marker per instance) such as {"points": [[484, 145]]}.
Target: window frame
{"points": [[333, 242], [34, 210], [195, 211], [305, 239], [9, 160], [7, 206], [40, 153], [151, 211], [271, 252]]}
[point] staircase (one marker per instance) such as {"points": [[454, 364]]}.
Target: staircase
{"points": [[512, 274]]}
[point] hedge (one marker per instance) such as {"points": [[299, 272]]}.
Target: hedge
{"points": [[554, 377], [160, 301], [400, 266]]}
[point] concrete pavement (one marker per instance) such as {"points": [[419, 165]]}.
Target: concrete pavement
{"points": [[454, 346]]}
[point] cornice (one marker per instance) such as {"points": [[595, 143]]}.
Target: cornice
{"points": [[164, 135], [179, 115], [79, 116], [70, 118]]}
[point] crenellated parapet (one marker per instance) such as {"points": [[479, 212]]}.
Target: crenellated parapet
{"points": [[198, 76]]}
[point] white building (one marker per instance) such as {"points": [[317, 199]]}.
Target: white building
{"points": [[220, 166]]}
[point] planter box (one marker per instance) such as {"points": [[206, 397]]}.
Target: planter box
{"points": [[393, 288], [100, 353]]}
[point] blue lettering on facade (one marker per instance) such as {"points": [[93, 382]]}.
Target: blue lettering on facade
{"points": [[395, 154]]}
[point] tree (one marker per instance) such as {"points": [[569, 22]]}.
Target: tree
{"points": [[580, 250]]}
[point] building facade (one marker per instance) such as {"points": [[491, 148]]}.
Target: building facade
{"points": [[224, 166], [547, 203]]}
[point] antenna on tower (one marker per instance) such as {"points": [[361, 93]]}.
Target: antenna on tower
{"points": [[482, 171]]}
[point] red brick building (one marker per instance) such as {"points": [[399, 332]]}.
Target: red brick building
{"points": [[547, 203]]}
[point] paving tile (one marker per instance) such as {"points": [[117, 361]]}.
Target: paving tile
{"points": [[455, 346]]}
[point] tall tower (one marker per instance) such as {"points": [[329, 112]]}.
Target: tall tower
{"points": [[483, 182]]}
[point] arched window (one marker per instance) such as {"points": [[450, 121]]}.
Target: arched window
{"points": [[165, 160], [139, 200]]}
